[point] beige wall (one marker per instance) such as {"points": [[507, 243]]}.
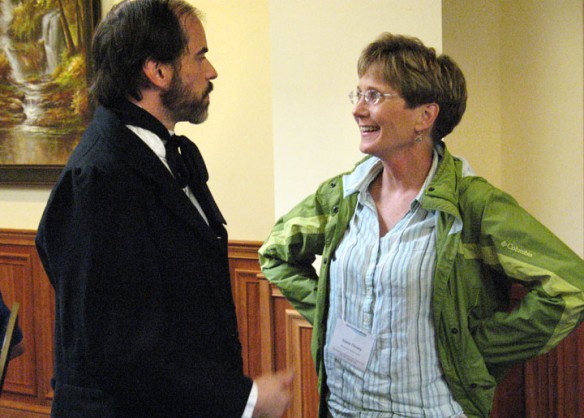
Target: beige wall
{"points": [[236, 140], [315, 47], [472, 37], [280, 121], [542, 125], [523, 129]]}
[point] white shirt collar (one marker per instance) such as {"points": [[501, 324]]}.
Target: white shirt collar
{"points": [[153, 141], [359, 180]]}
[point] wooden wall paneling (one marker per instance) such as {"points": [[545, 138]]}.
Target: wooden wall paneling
{"points": [[571, 385], [579, 384], [44, 322], [280, 306], [268, 357], [510, 395], [247, 304], [554, 382], [305, 396], [243, 266], [286, 344], [273, 336], [537, 382], [15, 284], [20, 276]]}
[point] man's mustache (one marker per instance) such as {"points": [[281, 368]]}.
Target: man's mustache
{"points": [[209, 89]]}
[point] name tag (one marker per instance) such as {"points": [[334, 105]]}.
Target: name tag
{"points": [[351, 345]]}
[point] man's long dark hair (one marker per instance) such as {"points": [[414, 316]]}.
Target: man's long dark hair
{"points": [[131, 33]]}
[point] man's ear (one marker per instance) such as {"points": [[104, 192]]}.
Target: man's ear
{"points": [[159, 74]]}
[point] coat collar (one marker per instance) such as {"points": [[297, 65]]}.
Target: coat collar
{"points": [[442, 193], [136, 154]]}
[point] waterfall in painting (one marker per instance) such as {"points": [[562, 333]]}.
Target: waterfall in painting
{"points": [[43, 86], [52, 39]]}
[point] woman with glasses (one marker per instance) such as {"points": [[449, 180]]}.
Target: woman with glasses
{"points": [[411, 306]]}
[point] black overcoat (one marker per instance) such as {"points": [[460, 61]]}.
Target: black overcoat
{"points": [[145, 323]]}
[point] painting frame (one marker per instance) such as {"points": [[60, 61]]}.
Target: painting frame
{"points": [[47, 174]]}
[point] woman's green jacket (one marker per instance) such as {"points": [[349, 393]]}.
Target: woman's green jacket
{"points": [[485, 243]]}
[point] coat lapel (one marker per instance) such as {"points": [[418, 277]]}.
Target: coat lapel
{"points": [[141, 158]]}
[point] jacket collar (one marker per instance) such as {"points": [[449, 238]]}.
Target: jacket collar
{"points": [[131, 114], [441, 193]]}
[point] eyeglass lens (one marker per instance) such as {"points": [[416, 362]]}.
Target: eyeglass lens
{"points": [[371, 96]]}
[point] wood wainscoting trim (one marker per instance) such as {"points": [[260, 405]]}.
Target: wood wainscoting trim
{"points": [[22, 237], [273, 336]]}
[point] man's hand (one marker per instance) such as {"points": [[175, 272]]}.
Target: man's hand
{"points": [[274, 394]]}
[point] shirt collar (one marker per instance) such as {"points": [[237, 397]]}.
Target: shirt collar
{"points": [[153, 141], [359, 180]]}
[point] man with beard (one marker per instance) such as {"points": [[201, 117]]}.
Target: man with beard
{"points": [[134, 244]]}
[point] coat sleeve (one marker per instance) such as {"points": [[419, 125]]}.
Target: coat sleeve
{"points": [[288, 254], [95, 246], [516, 244]]}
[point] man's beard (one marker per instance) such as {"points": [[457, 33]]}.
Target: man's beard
{"points": [[184, 108]]}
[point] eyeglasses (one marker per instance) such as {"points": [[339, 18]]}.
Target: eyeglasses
{"points": [[372, 97]]}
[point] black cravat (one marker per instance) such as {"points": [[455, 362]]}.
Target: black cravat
{"points": [[192, 170], [176, 162]]}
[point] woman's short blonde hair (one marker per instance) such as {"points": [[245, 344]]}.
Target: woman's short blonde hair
{"points": [[419, 76]]}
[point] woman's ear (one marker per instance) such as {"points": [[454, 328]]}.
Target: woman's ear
{"points": [[159, 74], [428, 114]]}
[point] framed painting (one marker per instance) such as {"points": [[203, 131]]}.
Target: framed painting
{"points": [[44, 104]]}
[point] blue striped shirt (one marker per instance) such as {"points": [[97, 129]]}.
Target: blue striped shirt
{"points": [[383, 286]]}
